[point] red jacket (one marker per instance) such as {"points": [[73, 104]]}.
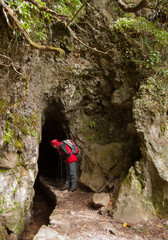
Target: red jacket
{"points": [[72, 158]]}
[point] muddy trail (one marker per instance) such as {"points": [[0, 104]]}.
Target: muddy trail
{"points": [[74, 218]]}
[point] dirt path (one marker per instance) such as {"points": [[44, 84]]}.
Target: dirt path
{"points": [[73, 218]]}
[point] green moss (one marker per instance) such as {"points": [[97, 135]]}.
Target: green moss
{"points": [[18, 123], [15, 191], [26, 124], [139, 181], [163, 128], [26, 79], [3, 106], [89, 138], [3, 232], [92, 124], [6, 206], [3, 170], [16, 177], [8, 134], [151, 98], [71, 46], [20, 226], [18, 145]]}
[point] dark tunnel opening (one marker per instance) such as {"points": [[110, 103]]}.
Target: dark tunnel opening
{"points": [[49, 163], [50, 167]]}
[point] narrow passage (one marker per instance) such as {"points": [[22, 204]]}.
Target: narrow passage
{"points": [[41, 210], [49, 166]]}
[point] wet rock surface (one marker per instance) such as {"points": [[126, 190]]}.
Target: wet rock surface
{"points": [[73, 218]]}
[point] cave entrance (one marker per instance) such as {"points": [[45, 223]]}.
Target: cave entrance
{"points": [[49, 162], [50, 167]]}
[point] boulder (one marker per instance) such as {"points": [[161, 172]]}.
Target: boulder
{"points": [[100, 199], [100, 162], [132, 204], [47, 233]]}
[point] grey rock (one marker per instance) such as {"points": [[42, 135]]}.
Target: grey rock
{"points": [[9, 160], [100, 199], [132, 205], [47, 233]]}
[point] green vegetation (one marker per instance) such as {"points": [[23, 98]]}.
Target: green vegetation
{"points": [[16, 176], [150, 38], [28, 14], [3, 170], [3, 106], [17, 122], [92, 124], [145, 43], [8, 205], [152, 95], [8, 134], [140, 25], [35, 21], [67, 7], [26, 124]]}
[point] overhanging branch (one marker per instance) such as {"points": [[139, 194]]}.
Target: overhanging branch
{"points": [[46, 9], [76, 14], [57, 17], [132, 8], [24, 33], [93, 49]]}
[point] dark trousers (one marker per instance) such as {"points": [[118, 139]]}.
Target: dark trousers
{"points": [[71, 178]]}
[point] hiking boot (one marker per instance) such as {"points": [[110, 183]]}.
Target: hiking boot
{"points": [[65, 187], [73, 188]]}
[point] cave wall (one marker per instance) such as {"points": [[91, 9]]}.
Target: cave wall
{"points": [[89, 96]]}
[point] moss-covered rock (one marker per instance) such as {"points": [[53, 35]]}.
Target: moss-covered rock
{"points": [[132, 204], [3, 231]]}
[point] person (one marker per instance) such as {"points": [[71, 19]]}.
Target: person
{"points": [[69, 150]]}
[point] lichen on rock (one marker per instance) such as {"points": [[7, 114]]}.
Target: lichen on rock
{"points": [[133, 196]]}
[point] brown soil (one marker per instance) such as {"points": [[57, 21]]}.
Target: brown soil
{"points": [[74, 218]]}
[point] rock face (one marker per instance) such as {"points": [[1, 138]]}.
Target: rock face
{"points": [[133, 202], [102, 161], [149, 175], [93, 99]]}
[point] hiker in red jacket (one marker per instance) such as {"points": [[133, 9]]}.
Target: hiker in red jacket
{"points": [[68, 149]]}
